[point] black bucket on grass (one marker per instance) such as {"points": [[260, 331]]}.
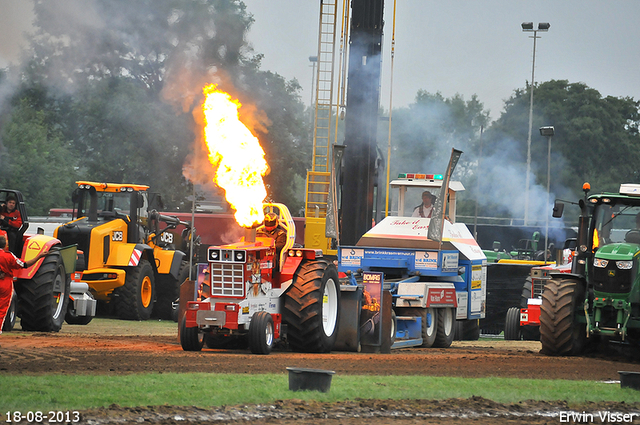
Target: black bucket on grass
{"points": [[630, 380], [301, 379]]}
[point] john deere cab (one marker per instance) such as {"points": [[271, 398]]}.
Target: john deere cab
{"points": [[127, 261]]}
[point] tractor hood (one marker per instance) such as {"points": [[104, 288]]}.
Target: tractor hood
{"points": [[411, 232], [618, 251]]}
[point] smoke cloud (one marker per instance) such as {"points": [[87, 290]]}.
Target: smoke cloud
{"points": [[430, 134]]}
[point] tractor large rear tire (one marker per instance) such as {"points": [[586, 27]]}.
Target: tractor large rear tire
{"points": [[445, 327], [512, 325], [168, 290], [312, 307], [43, 299], [560, 332], [134, 300]]}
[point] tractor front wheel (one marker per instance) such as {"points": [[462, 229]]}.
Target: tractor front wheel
{"points": [[191, 339], [312, 307], [560, 332], [43, 299], [512, 324], [134, 300], [261, 333]]}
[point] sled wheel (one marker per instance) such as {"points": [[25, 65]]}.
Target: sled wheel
{"points": [[191, 339], [134, 300], [512, 324], [445, 327], [43, 299], [312, 307], [394, 326], [428, 327], [261, 333], [560, 332]]}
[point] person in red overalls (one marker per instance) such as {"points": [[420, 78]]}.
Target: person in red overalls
{"points": [[9, 263], [11, 220]]}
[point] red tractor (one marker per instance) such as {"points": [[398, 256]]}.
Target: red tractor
{"points": [[258, 299], [524, 322], [43, 291]]}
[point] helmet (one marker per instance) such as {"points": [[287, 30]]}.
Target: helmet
{"points": [[270, 219]]}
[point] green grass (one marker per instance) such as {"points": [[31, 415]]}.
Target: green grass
{"points": [[63, 392]]}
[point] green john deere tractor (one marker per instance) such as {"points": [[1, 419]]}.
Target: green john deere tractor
{"points": [[600, 298]]}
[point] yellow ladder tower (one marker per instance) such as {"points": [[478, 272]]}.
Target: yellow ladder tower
{"points": [[318, 178]]}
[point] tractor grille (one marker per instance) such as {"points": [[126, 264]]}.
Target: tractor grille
{"points": [[227, 280], [611, 279]]}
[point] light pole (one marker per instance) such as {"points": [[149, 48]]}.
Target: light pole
{"points": [[314, 61], [528, 27], [547, 132]]}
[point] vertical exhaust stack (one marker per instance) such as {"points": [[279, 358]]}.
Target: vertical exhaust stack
{"points": [[250, 234]]}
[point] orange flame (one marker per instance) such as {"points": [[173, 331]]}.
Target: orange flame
{"points": [[236, 154]]}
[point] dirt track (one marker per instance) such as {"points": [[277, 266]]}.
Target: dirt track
{"points": [[119, 347]]}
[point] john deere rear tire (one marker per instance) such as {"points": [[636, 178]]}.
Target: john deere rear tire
{"points": [[312, 307], [43, 299], [445, 327], [191, 339], [512, 324], [261, 333], [560, 332], [134, 300], [168, 290]]}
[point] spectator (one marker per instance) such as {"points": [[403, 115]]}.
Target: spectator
{"points": [[11, 220]]}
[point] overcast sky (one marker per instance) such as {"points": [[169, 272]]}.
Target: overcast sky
{"points": [[472, 46], [457, 46]]}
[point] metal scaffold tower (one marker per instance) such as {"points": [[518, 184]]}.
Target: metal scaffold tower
{"points": [[319, 177]]}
